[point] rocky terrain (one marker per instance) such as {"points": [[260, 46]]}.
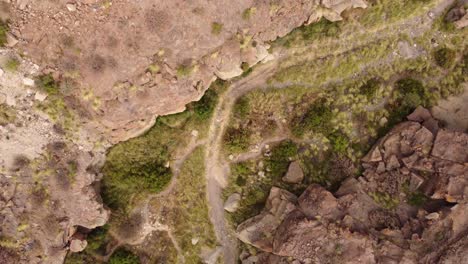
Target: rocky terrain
{"points": [[217, 131], [409, 206], [150, 58]]}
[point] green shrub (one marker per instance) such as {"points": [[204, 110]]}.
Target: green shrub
{"points": [[216, 28], [241, 107], [417, 199], [248, 13], [7, 115], [12, 65], [281, 156], [3, 33], [47, 83], [370, 88], [184, 70], [205, 106], [246, 69], [123, 256], [445, 57], [316, 119], [97, 239], [237, 139], [136, 166], [79, 258], [339, 142], [320, 29], [412, 93]]}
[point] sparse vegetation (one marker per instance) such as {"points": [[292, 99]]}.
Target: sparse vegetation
{"points": [[384, 200], [48, 84], [7, 114], [248, 13], [189, 215], [216, 28], [184, 70], [12, 64]]}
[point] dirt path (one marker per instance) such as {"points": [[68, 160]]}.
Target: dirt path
{"points": [[217, 169]]}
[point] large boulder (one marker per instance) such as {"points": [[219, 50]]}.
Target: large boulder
{"points": [[294, 173], [411, 197], [259, 230]]}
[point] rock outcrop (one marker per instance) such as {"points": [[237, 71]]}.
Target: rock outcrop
{"points": [[169, 52], [409, 206], [47, 181], [294, 173]]}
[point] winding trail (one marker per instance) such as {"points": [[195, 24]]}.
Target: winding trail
{"points": [[217, 169]]}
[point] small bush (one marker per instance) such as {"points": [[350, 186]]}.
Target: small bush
{"points": [[97, 239], [339, 142], [241, 107], [12, 65], [7, 115], [316, 119], [412, 92], [246, 69], [248, 13], [135, 166], [216, 28], [184, 70], [237, 139], [280, 158], [3, 33], [123, 256], [205, 106], [48, 84], [445, 57], [369, 89], [417, 199], [323, 28]]}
